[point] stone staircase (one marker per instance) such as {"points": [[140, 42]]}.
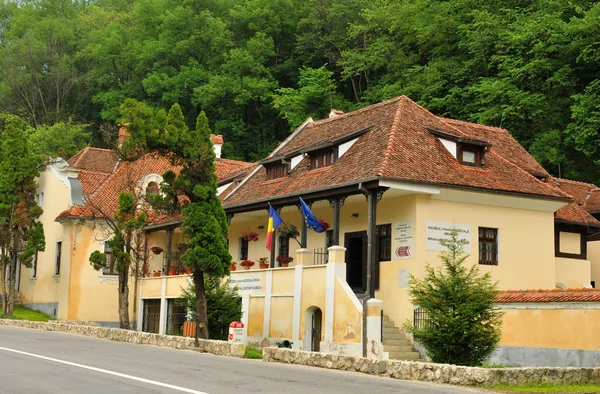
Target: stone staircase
{"points": [[396, 344]]}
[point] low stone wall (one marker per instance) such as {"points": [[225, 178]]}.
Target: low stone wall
{"points": [[438, 373], [220, 348]]}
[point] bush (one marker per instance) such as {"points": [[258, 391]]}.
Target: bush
{"points": [[222, 304], [463, 325]]}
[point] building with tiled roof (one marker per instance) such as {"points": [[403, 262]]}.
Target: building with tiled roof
{"points": [[386, 183]]}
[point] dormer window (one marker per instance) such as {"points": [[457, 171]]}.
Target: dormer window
{"points": [[275, 171], [470, 155], [323, 158]]}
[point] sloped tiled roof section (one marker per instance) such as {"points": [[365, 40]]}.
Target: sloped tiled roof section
{"points": [[553, 295], [95, 160], [578, 190], [575, 214], [397, 145], [593, 202], [104, 200], [502, 143], [95, 166]]}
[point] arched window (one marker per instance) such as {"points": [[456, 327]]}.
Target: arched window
{"points": [[152, 188]]}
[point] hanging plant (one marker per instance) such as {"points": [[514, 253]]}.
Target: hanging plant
{"points": [[289, 232], [250, 236], [182, 247], [156, 249]]}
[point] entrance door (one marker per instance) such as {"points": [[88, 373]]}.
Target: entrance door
{"points": [[317, 318], [356, 260]]}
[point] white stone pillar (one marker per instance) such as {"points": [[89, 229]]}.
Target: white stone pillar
{"points": [[267, 313], [162, 328], [336, 269], [374, 345]]}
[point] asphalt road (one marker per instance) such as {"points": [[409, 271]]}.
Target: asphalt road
{"points": [[33, 361]]}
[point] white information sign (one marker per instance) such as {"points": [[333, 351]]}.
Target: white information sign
{"points": [[403, 241], [403, 277], [247, 283], [437, 231]]}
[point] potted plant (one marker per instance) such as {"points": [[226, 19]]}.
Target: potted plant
{"points": [[290, 231], [156, 273], [233, 266], [189, 271], [284, 261], [172, 270], [156, 249], [247, 264], [263, 262], [250, 236], [182, 247]]}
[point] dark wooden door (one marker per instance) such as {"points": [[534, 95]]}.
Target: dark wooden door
{"points": [[317, 319], [356, 260]]}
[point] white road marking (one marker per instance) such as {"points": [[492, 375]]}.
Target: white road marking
{"points": [[121, 375]]}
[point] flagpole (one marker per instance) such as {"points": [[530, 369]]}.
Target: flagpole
{"points": [[286, 226]]}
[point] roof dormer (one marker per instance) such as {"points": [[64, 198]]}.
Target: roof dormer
{"points": [[467, 152]]}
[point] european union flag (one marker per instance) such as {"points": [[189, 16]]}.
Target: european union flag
{"points": [[310, 219]]}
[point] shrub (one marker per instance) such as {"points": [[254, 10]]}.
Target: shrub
{"points": [[463, 325]]}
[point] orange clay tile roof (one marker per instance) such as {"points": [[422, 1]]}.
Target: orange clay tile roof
{"points": [[95, 160], [593, 202], [578, 190], [216, 139], [575, 214], [553, 295], [103, 200], [399, 146]]}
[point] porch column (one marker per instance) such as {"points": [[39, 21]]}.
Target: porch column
{"points": [[168, 251], [336, 204], [373, 197]]}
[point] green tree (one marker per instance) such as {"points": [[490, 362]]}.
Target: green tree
{"points": [[61, 139], [222, 306], [463, 324], [21, 235], [192, 190], [127, 245]]}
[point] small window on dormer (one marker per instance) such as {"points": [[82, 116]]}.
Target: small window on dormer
{"points": [[152, 188], [470, 155], [275, 171], [323, 158]]}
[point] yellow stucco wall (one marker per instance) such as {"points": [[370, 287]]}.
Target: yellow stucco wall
{"points": [[593, 249], [92, 295], [313, 292], [573, 273], [347, 320], [569, 242], [280, 325], [151, 287], [256, 311], [46, 287], [283, 281], [570, 328], [176, 284]]}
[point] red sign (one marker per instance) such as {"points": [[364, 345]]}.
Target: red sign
{"points": [[236, 324], [403, 251]]}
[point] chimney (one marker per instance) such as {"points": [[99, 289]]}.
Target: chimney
{"points": [[217, 141], [123, 133], [335, 112]]}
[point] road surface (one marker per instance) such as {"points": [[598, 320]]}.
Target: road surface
{"points": [[33, 361]]}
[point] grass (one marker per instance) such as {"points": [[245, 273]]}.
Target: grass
{"points": [[22, 313], [252, 352], [549, 388]]}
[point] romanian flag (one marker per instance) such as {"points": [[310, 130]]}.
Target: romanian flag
{"points": [[274, 222]]}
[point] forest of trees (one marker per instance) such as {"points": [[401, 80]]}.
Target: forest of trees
{"points": [[259, 68]]}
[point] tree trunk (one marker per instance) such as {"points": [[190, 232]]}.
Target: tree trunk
{"points": [[201, 317], [12, 274], [124, 298], [3, 283]]}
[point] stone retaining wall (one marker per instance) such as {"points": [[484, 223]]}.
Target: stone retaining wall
{"points": [[438, 373], [220, 348]]}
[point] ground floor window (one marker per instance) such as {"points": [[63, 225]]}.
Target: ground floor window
{"points": [[151, 316], [175, 317]]}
